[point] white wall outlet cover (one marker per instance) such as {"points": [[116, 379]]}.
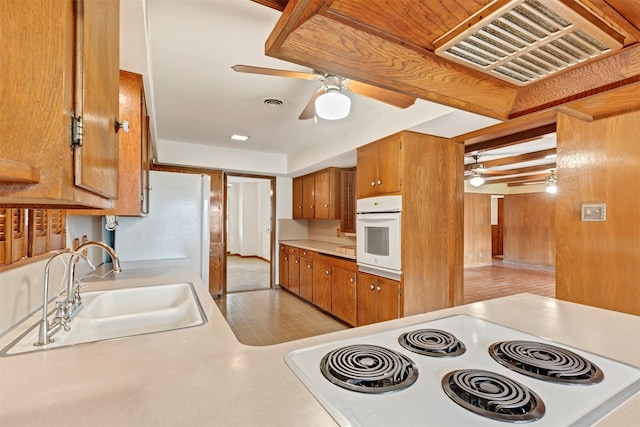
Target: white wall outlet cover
{"points": [[594, 211]]}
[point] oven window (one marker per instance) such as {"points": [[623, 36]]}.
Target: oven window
{"points": [[376, 240]]}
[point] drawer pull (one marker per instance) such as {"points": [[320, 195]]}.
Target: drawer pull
{"points": [[371, 287], [378, 289]]}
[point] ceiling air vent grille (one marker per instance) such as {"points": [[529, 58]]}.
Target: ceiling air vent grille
{"points": [[526, 41]]}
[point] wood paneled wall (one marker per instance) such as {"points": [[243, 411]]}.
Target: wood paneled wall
{"points": [[529, 228], [477, 229], [598, 263]]}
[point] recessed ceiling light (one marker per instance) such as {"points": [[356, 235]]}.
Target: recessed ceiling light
{"points": [[236, 137]]}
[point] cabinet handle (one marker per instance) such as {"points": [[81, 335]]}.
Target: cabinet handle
{"points": [[327, 272], [286, 258], [373, 183], [311, 206], [378, 289], [371, 287], [379, 182], [296, 261], [326, 206], [308, 265], [351, 279]]}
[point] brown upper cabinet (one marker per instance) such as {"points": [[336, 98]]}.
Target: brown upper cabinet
{"points": [[379, 167], [318, 195], [134, 147], [58, 133]]}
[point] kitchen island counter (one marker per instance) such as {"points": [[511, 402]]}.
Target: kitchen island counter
{"points": [[204, 376]]}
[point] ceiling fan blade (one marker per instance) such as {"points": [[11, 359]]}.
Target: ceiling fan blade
{"points": [[274, 72], [309, 111], [387, 96], [497, 172]]}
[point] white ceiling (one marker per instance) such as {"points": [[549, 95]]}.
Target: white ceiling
{"points": [[195, 97]]}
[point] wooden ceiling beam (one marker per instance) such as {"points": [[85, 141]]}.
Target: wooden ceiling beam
{"points": [[273, 4], [515, 138], [529, 169], [536, 155]]}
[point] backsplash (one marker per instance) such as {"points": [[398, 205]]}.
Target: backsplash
{"points": [[321, 230]]}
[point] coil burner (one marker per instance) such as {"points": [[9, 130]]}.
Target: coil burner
{"points": [[368, 369], [493, 396], [432, 342], [546, 362]]}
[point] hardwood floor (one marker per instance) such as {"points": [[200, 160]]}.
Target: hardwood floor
{"points": [[267, 317], [501, 279]]}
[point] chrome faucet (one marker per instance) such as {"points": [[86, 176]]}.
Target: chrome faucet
{"points": [[67, 309]]}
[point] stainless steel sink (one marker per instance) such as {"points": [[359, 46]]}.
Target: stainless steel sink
{"points": [[122, 313]]}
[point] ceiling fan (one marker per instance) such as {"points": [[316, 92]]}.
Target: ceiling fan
{"points": [[325, 102], [476, 171]]}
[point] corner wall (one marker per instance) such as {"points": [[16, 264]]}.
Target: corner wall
{"points": [[598, 263]]}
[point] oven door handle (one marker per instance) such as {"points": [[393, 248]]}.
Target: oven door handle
{"points": [[378, 216]]}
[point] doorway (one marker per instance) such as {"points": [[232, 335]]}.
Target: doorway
{"points": [[249, 232]]}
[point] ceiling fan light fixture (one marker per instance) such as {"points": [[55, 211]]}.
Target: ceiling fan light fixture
{"points": [[332, 105], [552, 183], [476, 180]]}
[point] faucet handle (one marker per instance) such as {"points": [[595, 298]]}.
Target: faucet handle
{"points": [[77, 299]]}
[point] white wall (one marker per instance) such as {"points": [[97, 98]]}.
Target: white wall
{"points": [[227, 159], [249, 217]]}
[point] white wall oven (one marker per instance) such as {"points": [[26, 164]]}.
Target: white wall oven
{"points": [[379, 236]]}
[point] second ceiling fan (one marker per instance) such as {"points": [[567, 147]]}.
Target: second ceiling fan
{"points": [[329, 102]]}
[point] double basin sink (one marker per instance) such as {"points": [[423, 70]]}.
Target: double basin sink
{"points": [[119, 313]]}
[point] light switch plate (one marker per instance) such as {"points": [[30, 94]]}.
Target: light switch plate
{"points": [[594, 211]]}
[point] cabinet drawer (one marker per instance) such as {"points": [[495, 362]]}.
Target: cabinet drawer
{"points": [[294, 251], [306, 253]]}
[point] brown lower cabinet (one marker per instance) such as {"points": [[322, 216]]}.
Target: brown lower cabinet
{"points": [[284, 266], [334, 285], [306, 275], [322, 283], [343, 294], [379, 299]]}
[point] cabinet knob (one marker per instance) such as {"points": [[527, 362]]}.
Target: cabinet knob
{"points": [[286, 258], [351, 279], [371, 287], [378, 289], [296, 261], [379, 182], [308, 265], [326, 206], [311, 206], [327, 272], [124, 125], [373, 183]]}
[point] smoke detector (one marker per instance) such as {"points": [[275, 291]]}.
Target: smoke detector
{"points": [[528, 40]]}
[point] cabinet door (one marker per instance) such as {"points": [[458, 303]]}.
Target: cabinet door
{"points": [[284, 266], [367, 313], [343, 295], [367, 172], [322, 195], [348, 201], [98, 60], [308, 197], [388, 299], [294, 273], [297, 198], [322, 285], [306, 279], [388, 166]]}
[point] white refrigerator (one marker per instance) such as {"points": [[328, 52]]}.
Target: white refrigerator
{"points": [[177, 226]]}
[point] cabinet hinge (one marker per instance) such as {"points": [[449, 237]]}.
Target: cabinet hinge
{"points": [[76, 130], [400, 182], [399, 290], [401, 145]]}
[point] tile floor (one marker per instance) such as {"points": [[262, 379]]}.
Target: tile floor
{"points": [[267, 317]]}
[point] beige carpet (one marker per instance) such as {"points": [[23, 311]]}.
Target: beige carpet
{"points": [[247, 274]]}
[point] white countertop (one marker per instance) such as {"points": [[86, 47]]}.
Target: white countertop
{"points": [[318, 246], [204, 376]]}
